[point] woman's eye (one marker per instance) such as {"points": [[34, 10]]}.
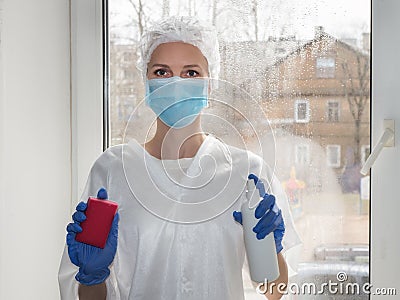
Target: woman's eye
{"points": [[192, 73], [160, 72]]}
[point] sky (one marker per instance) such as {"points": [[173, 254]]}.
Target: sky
{"points": [[340, 18]]}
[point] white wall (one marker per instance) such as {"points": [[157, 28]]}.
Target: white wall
{"points": [[35, 147], [385, 199]]}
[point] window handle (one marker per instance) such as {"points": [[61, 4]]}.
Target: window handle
{"points": [[386, 140]]}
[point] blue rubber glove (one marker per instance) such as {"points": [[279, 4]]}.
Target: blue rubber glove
{"points": [[93, 262], [270, 216]]}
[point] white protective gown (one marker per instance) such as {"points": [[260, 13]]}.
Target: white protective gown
{"points": [[200, 253]]}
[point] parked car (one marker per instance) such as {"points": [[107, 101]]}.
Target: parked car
{"points": [[344, 266], [342, 252]]}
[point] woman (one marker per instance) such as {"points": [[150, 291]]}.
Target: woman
{"points": [[177, 234]]}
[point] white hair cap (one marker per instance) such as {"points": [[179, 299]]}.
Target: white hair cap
{"points": [[181, 29]]}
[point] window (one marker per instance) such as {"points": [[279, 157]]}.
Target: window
{"points": [[302, 154], [333, 156], [128, 74], [129, 57], [333, 111], [365, 151], [301, 111], [280, 51], [325, 67], [299, 85]]}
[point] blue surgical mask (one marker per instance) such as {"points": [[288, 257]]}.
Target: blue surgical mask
{"points": [[177, 101]]}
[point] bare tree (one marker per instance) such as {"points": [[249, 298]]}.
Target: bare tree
{"points": [[165, 9], [191, 8], [356, 85], [255, 14], [140, 18], [125, 79], [214, 13]]}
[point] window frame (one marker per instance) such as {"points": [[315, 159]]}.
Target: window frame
{"points": [[383, 272], [296, 110], [89, 116], [297, 156], [325, 72], [328, 102]]}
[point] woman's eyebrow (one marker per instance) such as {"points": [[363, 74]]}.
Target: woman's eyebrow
{"points": [[192, 66], [160, 65], [185, 66]]}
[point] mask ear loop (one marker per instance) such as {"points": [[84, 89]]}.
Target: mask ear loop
{"points": [[209, 91], [147, 92]]}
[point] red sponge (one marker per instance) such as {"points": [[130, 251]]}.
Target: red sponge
{"points": [[99, 216]]}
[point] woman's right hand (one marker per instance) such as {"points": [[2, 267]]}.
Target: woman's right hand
{"points": [[93, 262]]}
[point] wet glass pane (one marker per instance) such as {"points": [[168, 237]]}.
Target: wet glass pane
{"points": [[305, 66]]}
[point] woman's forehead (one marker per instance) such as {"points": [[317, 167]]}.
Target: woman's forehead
{"points": [[178, 52]]}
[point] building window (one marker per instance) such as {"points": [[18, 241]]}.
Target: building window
{"points": [[129, 57], [302, 154], [333, 156], [333, 111], [325, 67], [280, 51], [365, 151], [128, 74], [302, 111]]}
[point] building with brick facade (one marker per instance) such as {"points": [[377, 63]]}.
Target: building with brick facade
{"points": [[321, 91]]}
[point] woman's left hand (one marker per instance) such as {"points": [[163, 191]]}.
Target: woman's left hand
{"points": [[270, 216]]}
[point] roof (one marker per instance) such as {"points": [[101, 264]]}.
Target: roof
{"points": [[322, 36], [246, 60]]}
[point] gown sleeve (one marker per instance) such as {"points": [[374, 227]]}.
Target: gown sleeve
{"points": [[291, 237]]}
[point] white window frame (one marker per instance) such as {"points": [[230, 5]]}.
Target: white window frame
{"points": [[297, 156], [322, 75], [329, 163], [385, 205], [86, 90], [296, 111]]}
